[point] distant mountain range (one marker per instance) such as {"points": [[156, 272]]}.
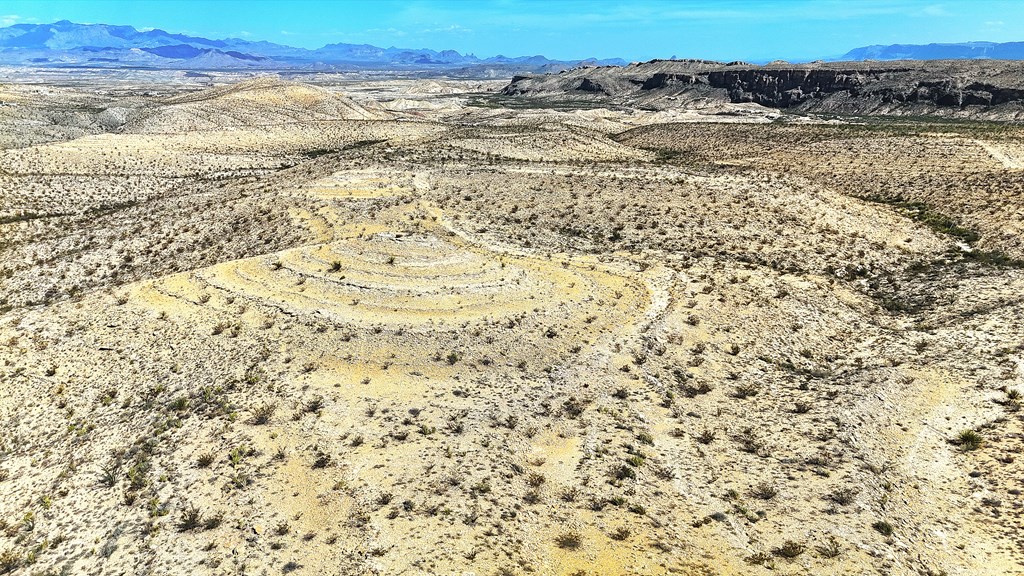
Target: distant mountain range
{"points": [[66, 43], [961, 51]]}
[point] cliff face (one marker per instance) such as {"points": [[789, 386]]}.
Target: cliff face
{"points": [[948, 93], [783, 88], [665, 80], [786, 88], [947, 88]]}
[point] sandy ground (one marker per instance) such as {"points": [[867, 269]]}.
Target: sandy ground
{"points": [[307, 333]]}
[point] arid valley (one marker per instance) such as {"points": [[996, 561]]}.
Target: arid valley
{"points": [[257, 323]]}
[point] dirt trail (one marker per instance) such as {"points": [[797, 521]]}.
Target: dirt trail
{"points": [[1009, 162]]}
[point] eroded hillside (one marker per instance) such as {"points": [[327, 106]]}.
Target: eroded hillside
{"points": [[980, 89], [268, 328]]}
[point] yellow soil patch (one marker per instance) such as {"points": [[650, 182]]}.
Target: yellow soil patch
{"points": [[397, 279], [307, 499], [556, 456]]}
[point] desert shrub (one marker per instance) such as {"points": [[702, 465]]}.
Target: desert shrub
{"points": [[664, 472], [843, 496], [573, 407], [239, 453], [262, 414], [315, 405], [749, 442], [789, 549], [213, 521], [764, 491], [635, 460], [137, 475], [240, 480], [191, 518], [883, 528], [10, 560], [830, 548], [570, 540], [110, 473], [321, 459], [253, 375], [623, 472], [699, 388], [706, 436], [763, 558], [746, 390], [970, 440]]}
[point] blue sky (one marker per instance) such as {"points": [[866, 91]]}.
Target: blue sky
{"points": [[630, 29]]}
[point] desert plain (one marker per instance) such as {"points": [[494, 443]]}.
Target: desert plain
{"points": [[328, 324]]}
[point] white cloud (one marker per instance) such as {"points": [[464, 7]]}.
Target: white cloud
{"points": [[385, 32], [9, 20], [452, 29], [934, 10]]}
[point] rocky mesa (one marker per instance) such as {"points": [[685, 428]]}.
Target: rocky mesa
{"points": [[991, 89]]}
